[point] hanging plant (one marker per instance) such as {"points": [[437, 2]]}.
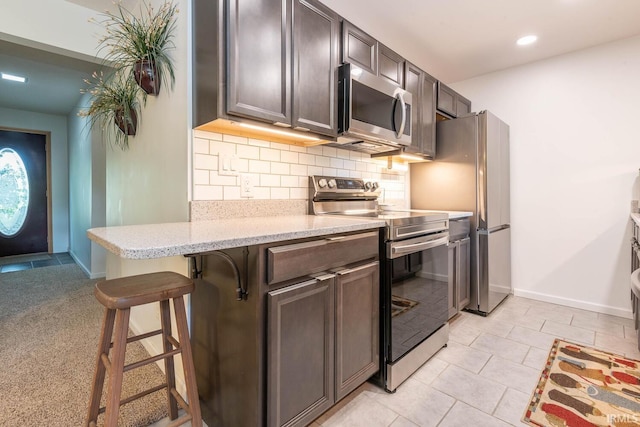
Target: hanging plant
{"points": [[114, 105], [141, 44]]}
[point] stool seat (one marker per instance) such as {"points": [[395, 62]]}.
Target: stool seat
{"points": [[131, 291], [118, 296]]}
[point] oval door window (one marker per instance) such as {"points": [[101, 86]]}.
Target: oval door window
{"points": [[14, 192]]}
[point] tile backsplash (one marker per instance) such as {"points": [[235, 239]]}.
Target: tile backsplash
{"points": [[281, 171]]}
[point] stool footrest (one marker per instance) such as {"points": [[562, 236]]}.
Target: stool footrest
{"points": [[179, 399], [180, 421], [137, 396], [142, 336], [151, 359]]}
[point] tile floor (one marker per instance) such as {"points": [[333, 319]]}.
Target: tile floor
{"points": [[486, 374], [27, 262]]}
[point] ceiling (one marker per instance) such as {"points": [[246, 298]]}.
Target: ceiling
{"points": [[460, 39]]}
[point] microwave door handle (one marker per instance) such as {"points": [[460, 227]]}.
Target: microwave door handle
{"points": [[403, 105]]}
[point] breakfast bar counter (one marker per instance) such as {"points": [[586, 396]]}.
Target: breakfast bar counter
{"points": [[150, 241]]}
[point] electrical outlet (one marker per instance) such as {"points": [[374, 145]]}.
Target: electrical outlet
{"points": [[246, 185], [227, 164]]}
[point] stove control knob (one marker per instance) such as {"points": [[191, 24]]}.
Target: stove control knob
{"points": [[374, 186], [332, 183], [367, 186], [322, 183]]}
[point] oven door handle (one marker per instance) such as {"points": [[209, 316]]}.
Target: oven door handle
{"points": [[399, 250]]}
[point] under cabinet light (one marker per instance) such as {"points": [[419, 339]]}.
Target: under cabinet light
{"points": [[277, 132], [14, 78]]}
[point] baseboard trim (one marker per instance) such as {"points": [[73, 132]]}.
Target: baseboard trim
{"points": [[569, 302], [84, 268]]}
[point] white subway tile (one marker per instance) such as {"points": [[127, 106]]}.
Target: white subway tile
{"points": [[217, 147], [299, 170], [201, 146], [349, 164], [248, 152], [329, 151], [307, 159], [299, 193], [205, 161], [298, 149], [371, 167], [200, 177], [343, 154], [279, 146], [337, 163], [323, 161], [316, 149], [262, 193], [243, 165], [259, 166], [289, 157], [207, 192], [315, 170], [280, 193], [303, 181], [355, 155], [280, 168], [328, 171], [207, 135], [290, 181], [342, 173], [231, 193], [360, 166], [234, 139], [269, 154], [259, 143], [216, 179], [269, 180]]}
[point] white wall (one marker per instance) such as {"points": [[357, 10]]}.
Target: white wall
{"points": [[57, 126], [575, 156], [87, 202]]}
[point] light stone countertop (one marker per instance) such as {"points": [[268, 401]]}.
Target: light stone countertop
{"points": [[171, 239]]}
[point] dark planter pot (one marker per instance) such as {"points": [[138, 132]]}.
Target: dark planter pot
{"points": [[131, 123], [147, 77]]}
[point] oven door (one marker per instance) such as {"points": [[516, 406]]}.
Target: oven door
{"points": [[416, 288]]}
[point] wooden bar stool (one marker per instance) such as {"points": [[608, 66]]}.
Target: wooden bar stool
{"points": [[118, 296]]}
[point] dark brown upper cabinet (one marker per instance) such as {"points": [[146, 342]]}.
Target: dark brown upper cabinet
{"points": [[360, 49], [316, 56], [451, 103], [259, 59], [273, 61], [422, 87]]}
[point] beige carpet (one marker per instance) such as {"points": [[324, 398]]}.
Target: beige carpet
{"points": [[49, 329]]}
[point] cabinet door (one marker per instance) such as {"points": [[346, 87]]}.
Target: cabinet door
{"points": [[316, 54], [259, 59], [464, 273], [359, 48], [357, 327], [300, 358], [390, 65], [452, 306], [413, 85], [428, 114], [463, 106], [446, 99]]}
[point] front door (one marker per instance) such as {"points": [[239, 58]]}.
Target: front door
{"points": [[23, 193]]}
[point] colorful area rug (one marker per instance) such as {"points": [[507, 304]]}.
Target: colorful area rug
{"points": [[582, 386]]}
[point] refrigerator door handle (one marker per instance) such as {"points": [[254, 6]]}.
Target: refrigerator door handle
{"points": [[494, 229]]}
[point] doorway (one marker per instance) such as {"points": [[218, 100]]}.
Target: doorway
{"points": [[25, 209]]}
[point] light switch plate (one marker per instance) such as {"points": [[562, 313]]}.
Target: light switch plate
{"points": [[228, 164]]}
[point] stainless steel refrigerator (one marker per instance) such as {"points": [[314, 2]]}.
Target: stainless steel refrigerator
{"points": [[471, 173]]}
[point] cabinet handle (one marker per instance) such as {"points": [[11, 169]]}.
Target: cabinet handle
{"points": [[335, 239]]}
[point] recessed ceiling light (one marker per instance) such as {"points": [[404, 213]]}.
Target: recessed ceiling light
{"points": [[523, 41], [14, 78]]}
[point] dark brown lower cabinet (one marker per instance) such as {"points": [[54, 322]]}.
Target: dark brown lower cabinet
{"points": [[322, 337]]}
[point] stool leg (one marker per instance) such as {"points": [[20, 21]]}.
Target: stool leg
{"points": [[99, 373], [117, 367], [170, 375], [187, 362]]}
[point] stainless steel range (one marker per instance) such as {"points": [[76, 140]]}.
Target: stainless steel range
{"points": [[414, 273]]}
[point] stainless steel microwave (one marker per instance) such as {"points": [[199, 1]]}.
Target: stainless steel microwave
{"points": [[372, 110]]}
